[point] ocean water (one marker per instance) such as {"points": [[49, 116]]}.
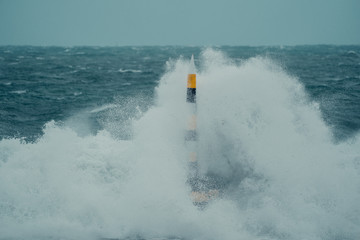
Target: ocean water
{"points": [[92, 142]]}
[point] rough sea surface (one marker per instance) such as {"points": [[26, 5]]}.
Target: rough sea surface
{"points": [[92, 142]]}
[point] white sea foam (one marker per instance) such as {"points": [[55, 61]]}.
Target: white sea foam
{"points": [[103, 108], [18, 91], [129, 70], [257, 129]]}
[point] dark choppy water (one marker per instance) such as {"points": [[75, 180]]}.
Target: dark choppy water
{"points": [[104, 150], [39, 84]]}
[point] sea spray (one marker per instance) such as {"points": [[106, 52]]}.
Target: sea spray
{"points": [[259, 133], [256, 117]]}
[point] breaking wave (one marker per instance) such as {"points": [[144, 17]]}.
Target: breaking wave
{"points": [[258, 130]]}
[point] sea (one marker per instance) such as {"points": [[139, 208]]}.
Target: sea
{"points": [[92, 142]]}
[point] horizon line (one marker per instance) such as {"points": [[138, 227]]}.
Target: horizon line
{"points": [[177, 45]]}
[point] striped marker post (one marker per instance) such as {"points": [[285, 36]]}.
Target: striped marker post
{"points": [[191, 135], [201, 193], [198, 194]]}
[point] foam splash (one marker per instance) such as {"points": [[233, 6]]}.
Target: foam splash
{"points": [[284, 176]]}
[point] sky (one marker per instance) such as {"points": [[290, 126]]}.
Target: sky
{"points": [[178, 22]]}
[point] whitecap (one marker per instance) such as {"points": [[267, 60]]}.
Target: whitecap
{"points": [[103, 108], [19, 91], [129, 70]]}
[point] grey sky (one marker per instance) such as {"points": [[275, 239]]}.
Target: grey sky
{"points": [[179, 22]]}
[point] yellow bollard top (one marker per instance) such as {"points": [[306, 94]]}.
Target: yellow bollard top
{"points": [[191, 83]]}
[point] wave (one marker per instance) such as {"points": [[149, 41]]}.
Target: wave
{"points": [[129, 70], [103, 108], [258, 130], [18, 91]]}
